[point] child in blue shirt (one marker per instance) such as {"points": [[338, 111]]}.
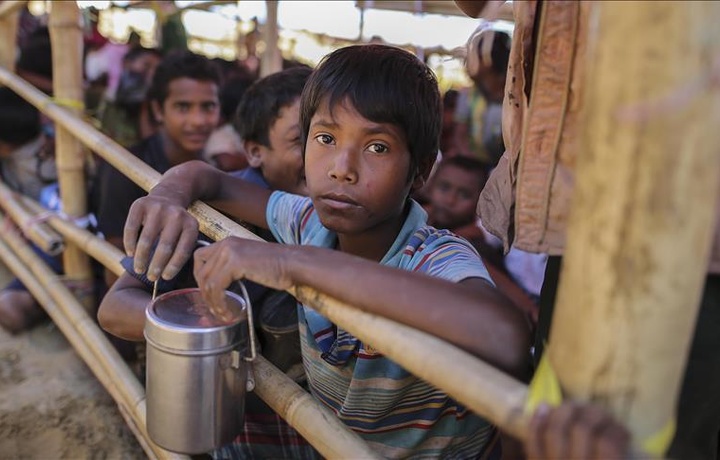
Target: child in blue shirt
{"points": [[370, 122]]}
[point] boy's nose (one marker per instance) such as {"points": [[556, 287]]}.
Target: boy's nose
{"points": [[342, 168]]}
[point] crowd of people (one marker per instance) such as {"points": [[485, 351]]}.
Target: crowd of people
{"points": [[358, 178]]}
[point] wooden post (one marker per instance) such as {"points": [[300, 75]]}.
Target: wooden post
{"points": [[271, 60], [643, 211], [9, 18], [66, 38]]}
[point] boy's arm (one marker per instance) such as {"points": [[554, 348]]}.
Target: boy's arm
{"points": [[160, 220], [122, 310], [471, 314]]}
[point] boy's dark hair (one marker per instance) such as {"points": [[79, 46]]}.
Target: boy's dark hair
{"points": [[500, 52], [19, 120], [137, 51], [231, 94], [450, 99], [465, 163], [181, 64], [261, 104], [36, 55], [384, 84]]}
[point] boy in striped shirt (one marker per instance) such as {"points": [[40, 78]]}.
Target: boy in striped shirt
{"points": [[370, 118]]}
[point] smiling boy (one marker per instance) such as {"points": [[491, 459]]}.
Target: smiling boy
{"points": [[370, 121], [184, 100]]}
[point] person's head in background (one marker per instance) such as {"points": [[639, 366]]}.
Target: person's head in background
{"points": [[139, 66], [225, 149], [454, 192], [184, 98], [371, 120], [450, 100], [34, 62], [19, 122], [268, 121], [488, 53]]}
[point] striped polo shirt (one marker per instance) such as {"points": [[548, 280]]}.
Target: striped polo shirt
{"points": [[398, 414]]}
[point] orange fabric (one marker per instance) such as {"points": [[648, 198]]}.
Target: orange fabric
{"points": [[526, 200]]}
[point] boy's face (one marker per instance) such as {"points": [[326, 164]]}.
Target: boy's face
{"points": [[357, 171], [453, 196], [282, 162], [189, 114]]}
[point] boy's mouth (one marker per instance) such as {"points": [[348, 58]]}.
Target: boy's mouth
{"points": [[338, 201]]}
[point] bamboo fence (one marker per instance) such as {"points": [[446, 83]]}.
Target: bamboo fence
{"points": [[316, 423], [31, 225], [503, 397], [9, 18], [10, 7], [67, 58], [83, 333]]}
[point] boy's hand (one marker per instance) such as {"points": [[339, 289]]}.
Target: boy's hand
{"points": [[218, 265], [160, 221], [578, 431]]}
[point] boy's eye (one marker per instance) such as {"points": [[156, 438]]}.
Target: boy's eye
{"points": [[378, 148], [209, 106], [324, 139], [183, 107]]}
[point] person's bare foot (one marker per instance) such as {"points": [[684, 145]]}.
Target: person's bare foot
{"points": [[19, 311]]}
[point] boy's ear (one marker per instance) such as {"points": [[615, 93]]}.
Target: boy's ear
{"points": [[156, 111], [422, 174], [254, 153]]}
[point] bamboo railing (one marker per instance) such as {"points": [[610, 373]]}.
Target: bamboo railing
{"points": [[84, 335], [36, 231], [315, 422], [67, 57], [9, 16], [482, 388]]}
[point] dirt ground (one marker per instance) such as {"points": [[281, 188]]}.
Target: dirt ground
{"points": [[51, 405]]}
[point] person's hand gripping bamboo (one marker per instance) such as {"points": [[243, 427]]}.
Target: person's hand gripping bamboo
{"points": [[159, 226]]}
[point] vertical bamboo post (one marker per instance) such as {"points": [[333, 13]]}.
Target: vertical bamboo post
{"points": [[643, 211], [8, 37], [271, 60], [66, 38]]}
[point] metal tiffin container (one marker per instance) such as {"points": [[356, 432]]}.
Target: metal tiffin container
{"points": [[198, 370]]}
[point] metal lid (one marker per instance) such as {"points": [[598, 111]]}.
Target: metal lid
{"points": [[182, 321]]}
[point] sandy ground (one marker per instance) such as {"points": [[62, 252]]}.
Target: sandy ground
{"points": [[51, 405]]}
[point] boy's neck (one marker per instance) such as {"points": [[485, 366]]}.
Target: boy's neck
{"points": [[174, 153]]}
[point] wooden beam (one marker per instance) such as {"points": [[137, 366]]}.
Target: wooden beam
{"points": [[643, 211], [67, 48]]}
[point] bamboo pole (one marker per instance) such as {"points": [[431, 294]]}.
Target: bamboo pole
{"points": [[36, 231], [66, 37], [99, 249], [271, 60], [81, 331], [9, 17], [315, 422], [10, 7], [410, 350], [643, 210], [475, 384]]}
